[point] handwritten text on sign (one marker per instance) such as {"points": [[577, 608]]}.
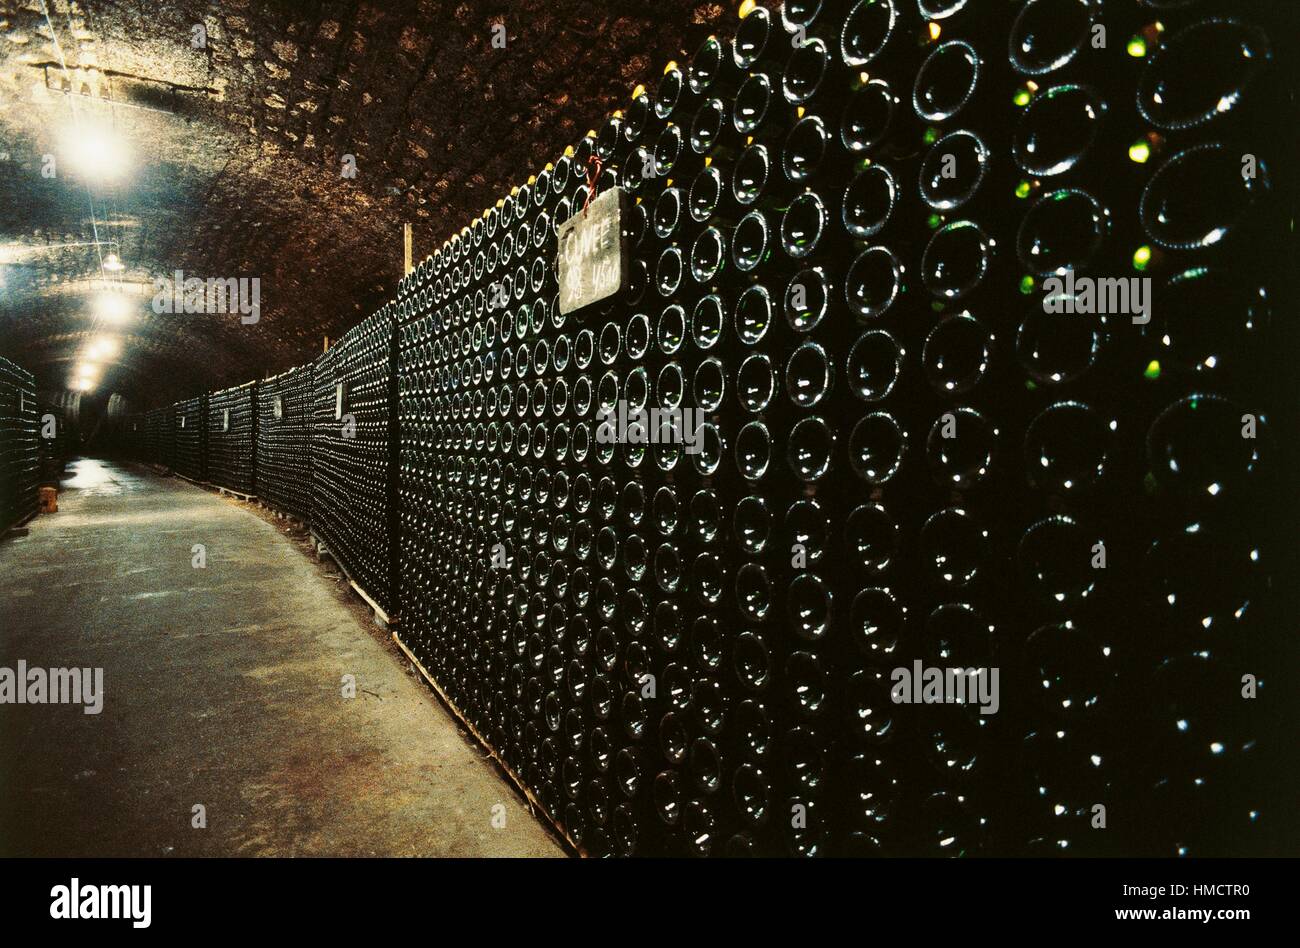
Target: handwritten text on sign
{"points": [[591, 255]]}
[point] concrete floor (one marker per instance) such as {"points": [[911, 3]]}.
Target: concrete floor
{"points": [[221, 688]]}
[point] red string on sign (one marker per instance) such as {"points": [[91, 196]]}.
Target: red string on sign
{"points": [[594, 164]]}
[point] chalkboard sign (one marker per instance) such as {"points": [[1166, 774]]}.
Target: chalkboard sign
{"points": [[592, 262]]}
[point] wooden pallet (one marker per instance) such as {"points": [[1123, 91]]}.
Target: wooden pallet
{"points": [[382, 618], [535, 805], [279, 514], [238, 495], [191, 480]]}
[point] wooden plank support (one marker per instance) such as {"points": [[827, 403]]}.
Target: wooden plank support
{"points": [[193, 481], [382, 618]]}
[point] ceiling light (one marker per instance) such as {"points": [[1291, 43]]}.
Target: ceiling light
{"points": [[95, 151], [104, 347], [112, 307]]}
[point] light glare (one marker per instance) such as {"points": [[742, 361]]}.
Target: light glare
{"points": [[95, 151]]}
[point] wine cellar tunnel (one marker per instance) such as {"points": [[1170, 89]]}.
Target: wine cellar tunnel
{"points": [[556, 427]]}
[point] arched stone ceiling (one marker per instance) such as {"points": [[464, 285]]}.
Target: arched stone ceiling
{"points": [[236, 152]]}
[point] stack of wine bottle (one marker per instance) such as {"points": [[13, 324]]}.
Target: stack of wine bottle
{"points": [[352, 447], [58, 420], [128, 440], [232, 435], [284, 440], [847, 231], [159, 437], [965, 536], [192, 437], [1192, 619], [19, 451]]}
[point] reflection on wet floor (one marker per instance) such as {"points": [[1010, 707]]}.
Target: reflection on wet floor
{"points": [[98, 479]]}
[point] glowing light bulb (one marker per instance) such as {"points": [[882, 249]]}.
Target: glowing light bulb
{"points": [[95, 151], [105, 347], [112, 307]]}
